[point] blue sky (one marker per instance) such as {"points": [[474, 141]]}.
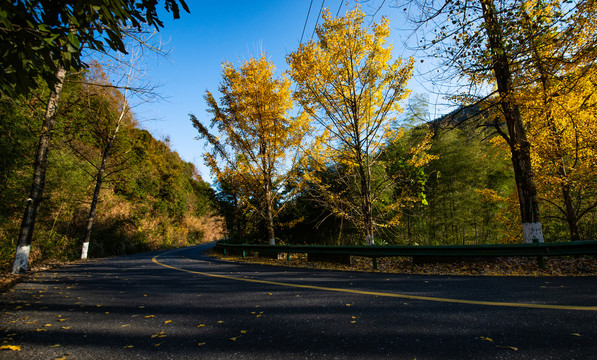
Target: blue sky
{"points": [[217, 31]]}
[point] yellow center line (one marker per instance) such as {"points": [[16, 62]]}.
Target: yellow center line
{"points": [[382, 294]]}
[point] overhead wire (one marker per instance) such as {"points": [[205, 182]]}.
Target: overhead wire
{"points": [[339, 7], [317, 21], [305, 26]]}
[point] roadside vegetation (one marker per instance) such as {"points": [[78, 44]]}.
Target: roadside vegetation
{"points": [[514, 266], [334, 151], [513, 163], [150, 199]]}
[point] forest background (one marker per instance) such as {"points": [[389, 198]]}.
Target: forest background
{"points": [[464, 193]]}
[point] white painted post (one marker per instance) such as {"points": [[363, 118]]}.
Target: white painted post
{"points": [[532, 232]]}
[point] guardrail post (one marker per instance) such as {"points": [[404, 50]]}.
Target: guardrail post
{"points": [[540, 259], [287, 256], [541, 262], [244, 254], [224, 251], [374, 263]]}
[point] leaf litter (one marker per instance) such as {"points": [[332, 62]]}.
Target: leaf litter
{"points": [[501, 266]]}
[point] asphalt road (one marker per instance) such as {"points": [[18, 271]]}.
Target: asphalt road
{"points": [[182, 305]]}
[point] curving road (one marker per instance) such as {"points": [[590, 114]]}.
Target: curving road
{"points": [[183, 305]]}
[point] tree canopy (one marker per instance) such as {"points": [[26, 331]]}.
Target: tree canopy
{"points": [[38, 37], [349, 85], [259, 137]]}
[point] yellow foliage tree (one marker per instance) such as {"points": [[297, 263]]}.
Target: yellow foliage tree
{"points": [[349, 85], [563, 135], [259, 137], [504, 50], [560, 109]]}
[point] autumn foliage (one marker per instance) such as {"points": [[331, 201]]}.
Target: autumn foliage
{"points": [[324, 153], [260, 138], [349, 86], [370, 174]]}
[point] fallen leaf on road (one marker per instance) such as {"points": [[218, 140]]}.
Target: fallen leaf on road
{"points": [[66, 327], [486, 338], [508, 347], [129, 346], [243, 331], [149, 316], [575, 334], [201, 325], [160, 334], [55, 346], [233, 338], [40, 330], [220, 322], [167, 321], [201, 344], [10, 347], [125, 325]]}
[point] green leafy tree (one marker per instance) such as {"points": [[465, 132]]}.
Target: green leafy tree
{"points": [[45, 39], [41, 37]]}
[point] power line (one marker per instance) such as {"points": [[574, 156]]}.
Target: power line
{"points": [[339, 7], [304, 26], [317, 21]]}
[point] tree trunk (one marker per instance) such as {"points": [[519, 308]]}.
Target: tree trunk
{"points": [[571, 216], [519, 145], [270, 214], [21, 259], [366, 207], [368, 217], [270, 222], [96, 191], [98, 183]]}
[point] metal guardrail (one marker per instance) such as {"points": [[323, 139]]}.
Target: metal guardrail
{"points": [[488, 250]]}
